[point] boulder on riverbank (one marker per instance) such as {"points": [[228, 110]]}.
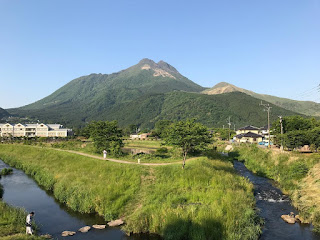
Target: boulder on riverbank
{"points": [[84, 229], [115, 223], [289, 218], [99, 226], [67, 233]]}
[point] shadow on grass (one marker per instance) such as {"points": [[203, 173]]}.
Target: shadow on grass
{"points": [[185, 230]]}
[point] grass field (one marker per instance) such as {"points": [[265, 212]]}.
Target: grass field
{"points": [[207, 200], [297, 174]]}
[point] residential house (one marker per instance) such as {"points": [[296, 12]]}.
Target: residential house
{"points": [[248, 134]]}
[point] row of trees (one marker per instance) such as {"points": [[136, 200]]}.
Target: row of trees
{"points": [[297, 132], [187, 135]]}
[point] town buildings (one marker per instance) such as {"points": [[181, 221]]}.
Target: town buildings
{"points": [[34, 130]]}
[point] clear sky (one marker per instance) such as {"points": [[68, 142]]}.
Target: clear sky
{"points": [[270, 46]]}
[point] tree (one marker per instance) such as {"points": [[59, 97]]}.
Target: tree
{"points": [[106, 135], [187, 135], [160, 127]]}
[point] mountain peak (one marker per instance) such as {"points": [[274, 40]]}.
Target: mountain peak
{"points": [[146, 61], [223, 87]]}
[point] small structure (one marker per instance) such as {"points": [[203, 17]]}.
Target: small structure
{"points": [[248, 137], [141, 136]]}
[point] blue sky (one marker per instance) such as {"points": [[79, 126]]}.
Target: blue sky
{"points": [[270, 47]]}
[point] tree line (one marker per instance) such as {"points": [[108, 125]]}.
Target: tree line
{"points": [[297, 131]]}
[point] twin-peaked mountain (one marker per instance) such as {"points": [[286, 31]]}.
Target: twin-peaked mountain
{"points": [[142, 95]]}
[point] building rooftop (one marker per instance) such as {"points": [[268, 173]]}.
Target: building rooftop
{"points": [[248, 134], [249, 127]]}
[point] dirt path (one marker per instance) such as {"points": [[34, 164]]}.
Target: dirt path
{"points": [[116, 160]]}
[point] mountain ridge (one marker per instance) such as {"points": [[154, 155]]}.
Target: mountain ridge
{"points": [[308, 108]]}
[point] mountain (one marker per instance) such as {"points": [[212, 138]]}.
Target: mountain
{"points": [[304, 107], [93, 96], [3, 113], [211, 110], [142, 95]]}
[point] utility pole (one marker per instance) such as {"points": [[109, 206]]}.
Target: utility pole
{"points": [[281, 129], [267, 108], [229, 123]]}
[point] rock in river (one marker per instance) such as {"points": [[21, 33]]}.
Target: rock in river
{"points": [[115, 223], [288, 218], [84, 229], [99, 226], [67, 233]]}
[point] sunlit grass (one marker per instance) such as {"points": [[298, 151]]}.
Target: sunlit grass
{"points": [[206, 200]]}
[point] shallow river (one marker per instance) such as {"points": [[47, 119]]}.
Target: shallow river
{"points": [[272, 203], [53, 217]]}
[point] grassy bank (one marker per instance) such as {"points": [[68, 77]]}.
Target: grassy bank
{"points": [[297, 175], [207, 200], [12, 223]]}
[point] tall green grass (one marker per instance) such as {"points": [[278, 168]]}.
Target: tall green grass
{"points": [[207, 200], [12, 223]]}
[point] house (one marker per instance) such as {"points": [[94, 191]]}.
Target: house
{"points": [[247, 129], [34, 130], [141, 136], [248, 134]]}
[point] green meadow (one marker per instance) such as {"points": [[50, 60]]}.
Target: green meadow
{"points": [[206, 200]]}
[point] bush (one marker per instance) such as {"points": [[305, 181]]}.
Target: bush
{"points": [[6, 171]]}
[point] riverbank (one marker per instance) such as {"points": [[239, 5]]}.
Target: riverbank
{"points": [[12, 223], [297, 174], [206, 200]]}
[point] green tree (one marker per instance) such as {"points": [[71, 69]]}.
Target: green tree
{"points": [[106, 135], [187, 135], [160, 127]]}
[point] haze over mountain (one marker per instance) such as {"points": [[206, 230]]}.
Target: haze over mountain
{"points": [[143, 94], [304, 107]]}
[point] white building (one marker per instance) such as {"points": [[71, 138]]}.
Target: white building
{"points": [[33, 130]]}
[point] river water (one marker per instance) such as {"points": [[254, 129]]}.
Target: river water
{"points": [[52, 217], [272, 203]]}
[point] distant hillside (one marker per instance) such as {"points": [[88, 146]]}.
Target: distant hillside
{"points": [[3, 113], [304, 107], [211, 110]]}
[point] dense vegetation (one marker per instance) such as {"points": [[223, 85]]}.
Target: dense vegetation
{"points": [[3, 113], [297, 175], [12, 223], [188, 136], [207, 200], [297, 132]]}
